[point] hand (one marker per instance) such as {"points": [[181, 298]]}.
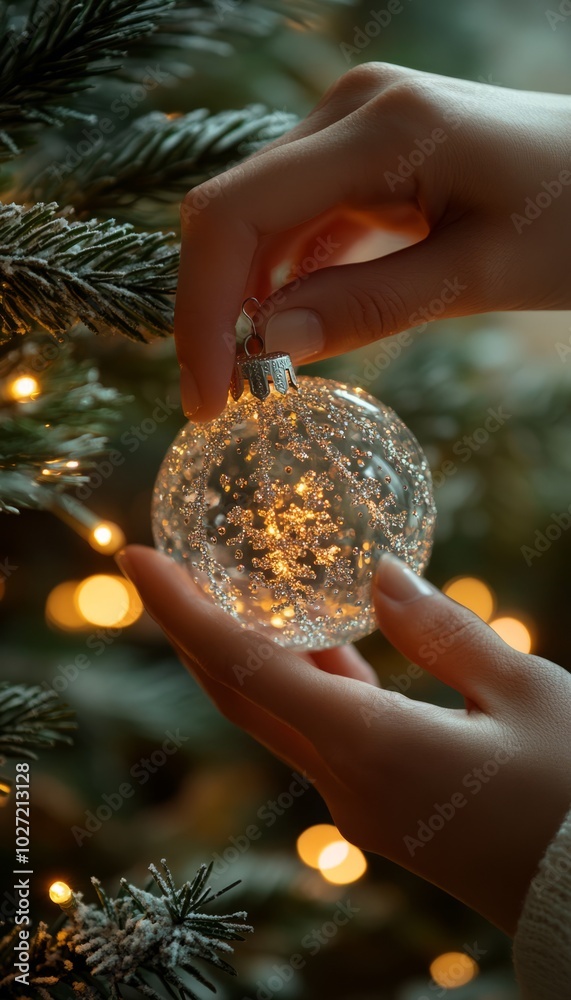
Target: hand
{"points": [[466, 798], [477, 177]]}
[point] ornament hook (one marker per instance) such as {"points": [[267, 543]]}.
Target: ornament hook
{"points": [[253, 335], [261, 370]]}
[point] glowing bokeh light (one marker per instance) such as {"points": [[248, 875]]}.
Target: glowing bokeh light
{"points": [[514, 632], [332, 855], [453, 969], [314, 840], [107, 600], [23, 388], [323, 847], [349, 869], [61, 609], [473, 594]]}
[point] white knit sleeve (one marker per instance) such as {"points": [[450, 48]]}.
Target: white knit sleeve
{"points": [[542, 943]]}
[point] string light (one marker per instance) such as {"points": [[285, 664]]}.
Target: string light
{"points": [[5, 789], [453, 969], [514, 632], [472, 593], [103, 536], [107, 537], [23, 388], [110, 601], [60, 893]]}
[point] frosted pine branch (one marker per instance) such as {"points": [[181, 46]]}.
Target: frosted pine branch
{"points": [[158, 157], [163, 934], [132, 940], [31, 719], [55, 273], [56, 50]]}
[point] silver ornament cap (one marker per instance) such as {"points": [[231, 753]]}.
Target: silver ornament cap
{"points": [[263, 372]]}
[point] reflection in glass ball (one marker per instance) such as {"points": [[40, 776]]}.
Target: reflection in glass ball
{"points": [[279, 509]]}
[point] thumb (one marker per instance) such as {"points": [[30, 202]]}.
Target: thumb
{"points": [[340, 308], [445, 638]]}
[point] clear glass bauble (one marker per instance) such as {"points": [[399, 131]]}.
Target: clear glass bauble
{"points": [[279, 509]]}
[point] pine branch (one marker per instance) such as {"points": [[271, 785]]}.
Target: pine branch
{"points": [[158, 157], [212, 27], [61, 48], [128, 941], [56, 273], [55, 52], [31, 718], [50, 441]]}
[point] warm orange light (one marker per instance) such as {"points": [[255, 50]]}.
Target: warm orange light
{"points": [[333, 855], [473, 594], [102, 534], [352, 863], [110, 601], [60, 893], [514, 632], [314, 840], [23, 388], [61, 610], [107, 537], [323, 847], [453, 969]]}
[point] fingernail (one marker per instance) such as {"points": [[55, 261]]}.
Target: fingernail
{"points": [[124, 564], [396, 580], [189, 391], [297, 331]]}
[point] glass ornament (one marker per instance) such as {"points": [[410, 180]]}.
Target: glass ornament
{"points": [[280, 507]]}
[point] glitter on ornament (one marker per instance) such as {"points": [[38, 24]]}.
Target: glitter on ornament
{"points": [[280, 506]]}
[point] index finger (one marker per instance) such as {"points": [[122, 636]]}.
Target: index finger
{"points": [[223, 221]]}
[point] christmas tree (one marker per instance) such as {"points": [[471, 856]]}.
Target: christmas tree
{"points": [[109, 113], [134, 939]]}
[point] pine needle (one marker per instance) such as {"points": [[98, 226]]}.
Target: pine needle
{"points": [[157, 157], [56, 273]]}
